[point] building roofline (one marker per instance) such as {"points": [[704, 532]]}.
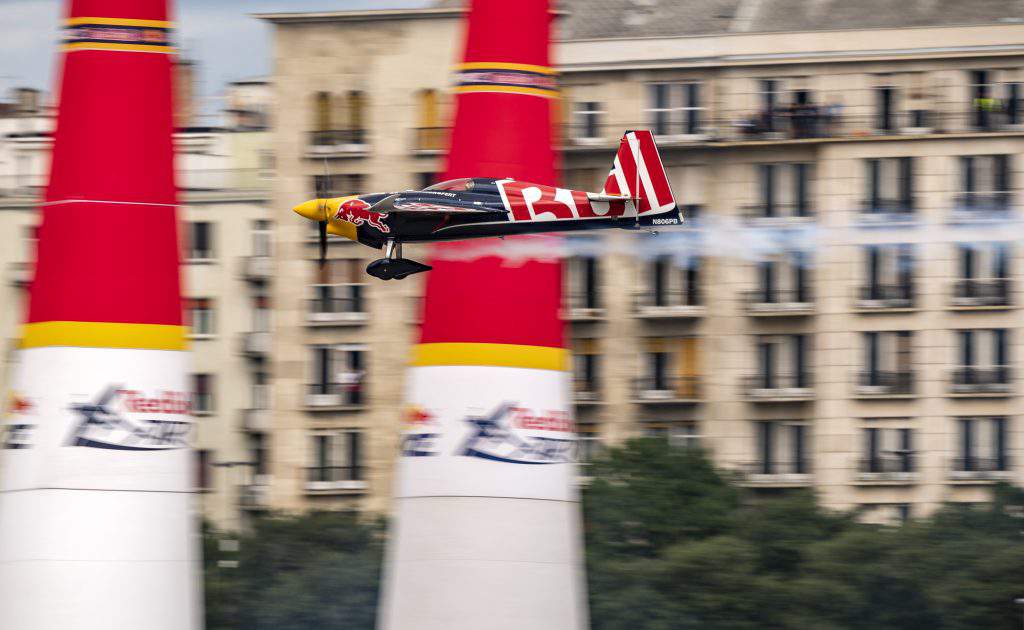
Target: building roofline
{"points": [[360, 16]]}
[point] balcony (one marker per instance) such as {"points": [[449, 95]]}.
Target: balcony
{"points": [[334, 480], [257, 269], [886, 212], [329, 310], [256, 345], [977, 293], [790, 303], [661, 390], [776, 215], [335, 396], [256, 420], [885, 297], [893, 470], [586, 392], [974, 469], [992, 381], [981, 207], [430, 140], [582, 307], [19, 274], [337, 143], [230, 183], [254, 496], [776, 474], [668, 305], [779, 388], [885, 384]]}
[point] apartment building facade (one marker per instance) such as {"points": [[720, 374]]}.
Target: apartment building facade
{"points": [[839, 314], [225, 173]]}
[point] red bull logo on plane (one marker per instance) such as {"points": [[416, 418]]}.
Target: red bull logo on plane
{"points": [[357, 212]]}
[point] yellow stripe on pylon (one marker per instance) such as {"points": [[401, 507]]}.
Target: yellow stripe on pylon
{"points": [[108, 21], [119, 47], [491, 354], [503, 65], [104, 335]]}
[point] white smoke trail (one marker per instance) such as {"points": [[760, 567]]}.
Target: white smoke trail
{"points": [[752, 241]]}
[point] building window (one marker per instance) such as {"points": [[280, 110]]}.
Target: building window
{"points": [[582, 280], [587, 121], [425, 180], [984, 275], [338, 374], [887, 363], [337, 457], [674, 109], [782, 362], [430, 135], [673, 281], [887, 450], [339, 120], [783, 280], [259, 452], [261, 314], [202, 394], [586, 370], [781, 448], [890, 186], [260, 391], [200, 241], [199, 315], [670, 369], [204, 469], [889, 271], [338, 290], [982, 361], [338, 185], [784, 191], [981, 445], [262, 237], [985, 183]]}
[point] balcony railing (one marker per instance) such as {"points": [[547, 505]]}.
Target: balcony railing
{"points": [[886, 210], [981, 292], [785, 473], [19, 274], [257, 268], [582, 307], [667, 389], [669, 304], [877, 383], [340, 479], [779, 387], [429, 140], [877, 297], [995, 202], [779, 302], [969, 379], [586, 391], [337, 142], [329, 309], [335, 396], [886, 468], [980, 468], [256, 420], [765, 214], [254, 496], [256, 345]]}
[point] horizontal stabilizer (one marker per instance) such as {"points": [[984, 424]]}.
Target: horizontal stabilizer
{"points": [[610, 198]]}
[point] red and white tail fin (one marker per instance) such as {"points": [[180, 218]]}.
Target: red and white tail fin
{"points": [[638, 173]]}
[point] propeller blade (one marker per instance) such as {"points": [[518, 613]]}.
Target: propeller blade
{"points": [[323, 243]]}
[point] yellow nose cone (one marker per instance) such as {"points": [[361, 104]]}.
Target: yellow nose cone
{"points": [[314, 209]]}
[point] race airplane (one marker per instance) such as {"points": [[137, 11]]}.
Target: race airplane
{"points": [[636, 195]]}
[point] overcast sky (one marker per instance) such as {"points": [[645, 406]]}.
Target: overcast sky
{"points": [[220, 34]]}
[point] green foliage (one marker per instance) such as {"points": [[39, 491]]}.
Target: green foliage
{"points": [[318, 571], [671, 544]]}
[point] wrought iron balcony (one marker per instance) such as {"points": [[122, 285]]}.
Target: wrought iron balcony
{"points": [[335, 396], [887, 468], [980, 468], [337, 142], [667, 389], [779, 303], [335, 479], [257, 268], [338, 305], [970, 379], [779, 387], [878, 297], [981, 292], [668, 304], [881, 384], [777, 473]]}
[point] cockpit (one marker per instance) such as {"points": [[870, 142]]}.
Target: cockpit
{"points": [[484, 185]]}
